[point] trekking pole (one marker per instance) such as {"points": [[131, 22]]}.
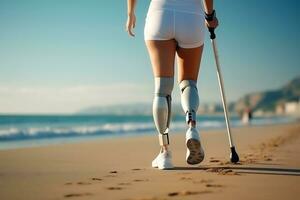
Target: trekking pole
{"points": [[233, 155]]}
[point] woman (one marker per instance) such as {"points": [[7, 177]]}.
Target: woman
{"points": [[175, 27]]}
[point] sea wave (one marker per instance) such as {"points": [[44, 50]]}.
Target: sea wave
{"points": [[33, 131], [21, 133], [14, 133]]}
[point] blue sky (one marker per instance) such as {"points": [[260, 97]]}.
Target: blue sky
{"points": [[60, 56]]}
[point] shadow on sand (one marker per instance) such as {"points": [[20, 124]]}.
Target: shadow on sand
{"points": [[248, 170]]}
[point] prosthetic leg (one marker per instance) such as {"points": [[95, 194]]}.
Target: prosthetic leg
{"points": [[162, 107], [190, 104], [189, 99], [161, 116]]}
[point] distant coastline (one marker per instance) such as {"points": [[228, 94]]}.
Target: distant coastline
{"points": [[284, 101]]}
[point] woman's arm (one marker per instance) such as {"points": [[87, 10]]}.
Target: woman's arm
{"points": [[211, 19], [131, 16], [131, 6], [208, 6]]}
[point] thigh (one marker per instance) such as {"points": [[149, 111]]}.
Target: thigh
{"points": [[188, 61], [162, 56]]}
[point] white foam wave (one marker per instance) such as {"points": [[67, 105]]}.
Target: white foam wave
{"points": [[15, 133], [47, 131]]}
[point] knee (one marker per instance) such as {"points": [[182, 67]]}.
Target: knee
{"points": [[163, 90], [164, 86]]}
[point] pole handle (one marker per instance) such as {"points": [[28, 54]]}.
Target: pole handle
{"points": [[212, 33]]}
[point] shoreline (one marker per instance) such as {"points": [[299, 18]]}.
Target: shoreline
{"points": [[73, 139]]}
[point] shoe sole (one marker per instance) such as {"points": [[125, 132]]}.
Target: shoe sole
{"points": [[163, 168], [195, 154], [166, 168]]}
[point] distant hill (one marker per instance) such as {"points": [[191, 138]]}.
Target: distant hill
{"points": [[267, 101]]}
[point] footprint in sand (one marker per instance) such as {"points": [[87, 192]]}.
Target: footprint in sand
{"points": [[222, 171], [267, 158], [136, 169], [228, 172], [214, 160], [78, 183], [124, 183], [213, 185], [78, 194], [114, 188], [140, 180], [225, 163], [185, 178], [147, 198], [83, 183], [187, 193], [96, 179]]}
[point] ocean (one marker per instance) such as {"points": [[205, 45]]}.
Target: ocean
{"points": [[18, 131]]}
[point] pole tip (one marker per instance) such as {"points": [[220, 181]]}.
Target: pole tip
{"points": [[234, 157]]}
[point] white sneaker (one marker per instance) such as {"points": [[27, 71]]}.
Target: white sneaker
{"points": [[195, 152], [163, 161]]}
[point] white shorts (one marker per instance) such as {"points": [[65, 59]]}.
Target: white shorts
{"points": [[182, 20]]}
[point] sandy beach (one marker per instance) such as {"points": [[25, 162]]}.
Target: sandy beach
{"points": [[120, 169]]}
